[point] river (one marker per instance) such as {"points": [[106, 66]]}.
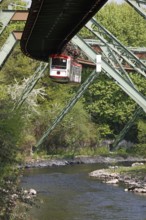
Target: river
{"points": [[67, 193]]}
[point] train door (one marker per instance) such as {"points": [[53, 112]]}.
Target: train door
{"points": [[76, 70]]}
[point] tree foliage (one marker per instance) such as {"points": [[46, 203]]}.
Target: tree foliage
{"points": [[124, 23], [105, 101], [108, 104]]}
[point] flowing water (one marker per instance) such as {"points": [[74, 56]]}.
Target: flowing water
{"points": [[67, 193]]}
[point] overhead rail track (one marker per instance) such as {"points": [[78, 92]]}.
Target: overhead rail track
{"points": [[10, 43], [52, 23], [137, 5]]}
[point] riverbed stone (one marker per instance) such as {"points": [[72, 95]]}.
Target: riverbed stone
{"points": [[32, 192], [81, 159], [140, 190], [113, 181], [105, 176], [134, 184], [136, 189], [137, 164]]}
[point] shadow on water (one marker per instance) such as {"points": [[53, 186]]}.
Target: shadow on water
{"points": [[67, 193]]}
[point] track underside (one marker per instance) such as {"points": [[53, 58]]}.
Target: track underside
{"points": [[52, 23]]}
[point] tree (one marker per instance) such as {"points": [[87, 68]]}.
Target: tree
{"points": [[11, 125], [124, 23], [73, 126], [13, 3], [4, 4], [105, 101], [108, 104]]}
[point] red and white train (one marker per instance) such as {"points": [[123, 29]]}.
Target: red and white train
{"points": [[63, 69]]}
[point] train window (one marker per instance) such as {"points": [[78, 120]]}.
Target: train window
{"points": [[59, 63]]}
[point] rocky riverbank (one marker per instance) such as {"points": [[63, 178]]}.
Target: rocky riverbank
{"points": [[35, 163], [134, 177], [115, 174]]}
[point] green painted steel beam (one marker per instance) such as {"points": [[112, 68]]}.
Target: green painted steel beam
{"points": [[127, 127], [125, 85], [137, 5], [69, 106], [31, 84], [111, 71], [122, 53], [7, 48], [111, 51], [5, 17]]}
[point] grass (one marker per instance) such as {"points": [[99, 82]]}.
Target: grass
{"points": [[135, 171], [71, 153]]}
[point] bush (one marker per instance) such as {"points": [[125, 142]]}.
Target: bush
{"points": [[140, 150]]}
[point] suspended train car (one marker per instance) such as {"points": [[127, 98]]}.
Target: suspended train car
{"points": [[63, 69]]}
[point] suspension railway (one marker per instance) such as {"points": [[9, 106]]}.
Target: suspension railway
{"points": [[51, 24]]}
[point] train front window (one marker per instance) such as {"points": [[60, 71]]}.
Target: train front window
{"points": [[59, 63]]}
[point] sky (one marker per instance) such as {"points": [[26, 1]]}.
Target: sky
{"points": [[118, 1]]}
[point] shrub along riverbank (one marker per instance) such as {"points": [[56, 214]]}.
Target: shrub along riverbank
{"points": [[79, 159]]}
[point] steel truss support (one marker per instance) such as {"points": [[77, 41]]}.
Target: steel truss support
{"points": [[118, 53], [111, 71], [127, 127], [115, 52], [7, 48], [69, 106], [11, 15], [136, 4], [5, 17], [31, 84]]}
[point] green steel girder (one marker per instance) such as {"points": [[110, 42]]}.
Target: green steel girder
{"points": [[126, 86], [110, 54], [114, 57], [127, 127], [31, 84], [5, 17], [137, 5], [7, 48], [69, 106], [122, 53], [110, 59], [109, 70], [121, 68]]}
